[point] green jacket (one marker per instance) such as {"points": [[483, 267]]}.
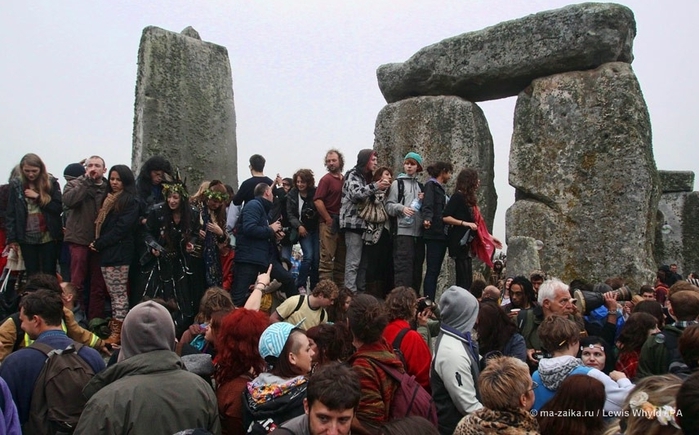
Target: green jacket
{"points": [[657, 353], [150, 393]]}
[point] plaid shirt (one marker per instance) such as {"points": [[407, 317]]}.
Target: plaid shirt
{"points": [[354, 190]]}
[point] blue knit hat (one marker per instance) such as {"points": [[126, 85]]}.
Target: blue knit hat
{"points": [[416, 157], [274, 338]]}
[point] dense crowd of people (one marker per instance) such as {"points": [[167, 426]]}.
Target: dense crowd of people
{"points": [[211, 324]]}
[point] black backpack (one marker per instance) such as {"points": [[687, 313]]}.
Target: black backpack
{"points": [[57, 399], [302, 298], [396, 346]]}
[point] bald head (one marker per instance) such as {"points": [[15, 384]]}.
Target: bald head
{"points": [[491, 292]]}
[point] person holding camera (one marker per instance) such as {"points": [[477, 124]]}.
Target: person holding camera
{"points": [[256, 247], [408, 345], [303, 218]]}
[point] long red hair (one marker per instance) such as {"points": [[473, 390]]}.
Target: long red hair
{"points": [[237, 345]]}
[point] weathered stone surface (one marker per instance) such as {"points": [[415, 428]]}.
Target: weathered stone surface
{"points": [[522, 256], [676, 181], [440, 129], [191, 32], [690, 234], [677, 232], [184, 106], [582, 164], [500, 61]]}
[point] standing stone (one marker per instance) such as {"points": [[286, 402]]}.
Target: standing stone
{"points": [[522, 256], [446, 129], [500, 61], [184, 107], [582, 164], [677, 233]]}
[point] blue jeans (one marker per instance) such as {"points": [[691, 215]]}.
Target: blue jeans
{"points": [[435, 257], [310, 246]]}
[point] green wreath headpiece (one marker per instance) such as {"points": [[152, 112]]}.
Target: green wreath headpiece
{"points": [[216, 195], [176, 185]]}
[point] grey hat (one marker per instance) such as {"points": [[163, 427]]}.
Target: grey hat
{"points": [[147, 327], [459, 309], [199, 364]]}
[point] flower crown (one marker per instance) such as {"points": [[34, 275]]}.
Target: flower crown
{"points": [[215, 195], [664, 414], [175, 184], [175, 187]]}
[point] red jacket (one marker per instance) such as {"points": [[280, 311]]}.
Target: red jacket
{"points": [[417, 354], [482, 245], [227, 268]]}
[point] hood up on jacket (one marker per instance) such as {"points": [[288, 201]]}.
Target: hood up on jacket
{"points": [[459, 309], [147, 327]]}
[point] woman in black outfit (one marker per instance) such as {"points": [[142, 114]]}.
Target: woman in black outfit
{"points": [[303, 216], [170, 271], [115, 241], [461, 213], [432, 213]]}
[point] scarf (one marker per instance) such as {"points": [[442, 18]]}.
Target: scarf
{"points": [[107, 207], [482, 245], [502, 422], [553, 371]]}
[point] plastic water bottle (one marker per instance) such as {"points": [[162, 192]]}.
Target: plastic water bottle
{"points": [[415, 205]]}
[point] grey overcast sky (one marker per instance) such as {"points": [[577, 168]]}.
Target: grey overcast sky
{"points": [[304, 74]]}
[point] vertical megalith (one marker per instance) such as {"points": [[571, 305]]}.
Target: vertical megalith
{"points": [[581, 162], [522, 256], [448, 129], [184, 105], [677, 235]]}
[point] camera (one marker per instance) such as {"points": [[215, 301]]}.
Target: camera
{"points": [[285, 230], [155, 245], [423, 304], [540, 354], [309, 214]]}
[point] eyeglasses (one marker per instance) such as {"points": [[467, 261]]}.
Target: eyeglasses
{"points": [[534, 386]]}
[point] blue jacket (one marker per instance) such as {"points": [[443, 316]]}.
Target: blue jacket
{"points": [[21, 368], [255, 240], [542, 394], [9, 421]]}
